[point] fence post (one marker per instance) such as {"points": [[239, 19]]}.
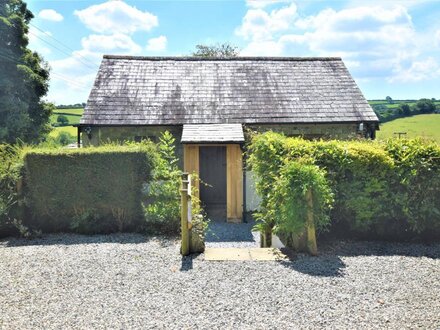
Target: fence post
{"points": [[184, 214], [310, 226]]}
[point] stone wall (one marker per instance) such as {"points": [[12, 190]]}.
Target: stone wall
{"points": [[328, 131], [100, 135]]}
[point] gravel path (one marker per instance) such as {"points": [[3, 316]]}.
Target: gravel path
{"points": [[129, 281], [222, 234]]}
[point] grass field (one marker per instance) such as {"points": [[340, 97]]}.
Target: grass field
{"points": [[73, 115], [425, 126], [57, 130]]}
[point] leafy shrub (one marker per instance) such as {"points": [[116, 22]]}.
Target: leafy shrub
{"points": [[289, 197], [418, 190], [66, 184], [65, 138], [381, 190], [162, 210], [11, 164]]}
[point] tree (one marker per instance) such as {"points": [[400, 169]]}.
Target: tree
{"points": [[64, 138], [404, 110], [425, 106], [389, 100], [219, 50], [24, 78], [62, 120]]}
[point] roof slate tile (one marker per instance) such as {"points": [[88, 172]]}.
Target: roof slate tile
{"points": [[175, 91]]}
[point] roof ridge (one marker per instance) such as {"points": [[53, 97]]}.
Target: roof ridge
{"points": [[237, 58]]}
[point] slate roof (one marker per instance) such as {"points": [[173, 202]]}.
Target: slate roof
{"points": [[212, 133], [189, 90]]}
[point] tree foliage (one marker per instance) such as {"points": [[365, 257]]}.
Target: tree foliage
{"points": [[218, 50], [162, 210], [389, 100], [24, 78], [425, 106]]}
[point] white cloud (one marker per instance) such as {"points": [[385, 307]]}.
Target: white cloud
{"points": [[35, 42], [116, 17], [437, 38], [119, 42], [374, 41], [50, 15], [157, 44], [258, 24], [419, 70], [383, 39], [72, 78], [264, 3], [262, 48]]}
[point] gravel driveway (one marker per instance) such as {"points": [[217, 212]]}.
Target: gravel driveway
{"points": [[131, 281]]}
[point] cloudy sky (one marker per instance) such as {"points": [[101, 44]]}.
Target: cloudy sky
{"points": [[391, 47]]}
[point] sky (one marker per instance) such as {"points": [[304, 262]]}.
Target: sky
{"points": [[392, 48]]}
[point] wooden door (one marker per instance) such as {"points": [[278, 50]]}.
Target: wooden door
{"points": [[213, 172]]}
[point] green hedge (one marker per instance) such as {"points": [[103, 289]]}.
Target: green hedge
{"points": [[88, 190], [387, 190], [11, 168]]}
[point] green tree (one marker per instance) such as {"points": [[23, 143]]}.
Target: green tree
{"points": [[64, 138], [24, 78], [404, 110], [218, 50], [62, 120], [425, 106], [389, 100]]}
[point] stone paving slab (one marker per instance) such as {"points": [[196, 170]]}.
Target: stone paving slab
{"points": [[237, 254]]}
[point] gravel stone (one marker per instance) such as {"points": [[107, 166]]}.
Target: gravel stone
{"points": [[239, 235], [129, 281]]}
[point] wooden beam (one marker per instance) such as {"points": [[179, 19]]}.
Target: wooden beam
{"points": [[78, 136], [234, 183], [191, 163]]}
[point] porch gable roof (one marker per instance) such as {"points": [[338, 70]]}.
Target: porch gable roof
{"points": [[212, 133]]}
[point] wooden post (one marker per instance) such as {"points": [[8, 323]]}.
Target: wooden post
{"points": [[78, 136], [189, 192], [310, 225], [184, 214]]}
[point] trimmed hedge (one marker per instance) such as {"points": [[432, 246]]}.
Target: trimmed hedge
{"points": [[88, 190], [385, 190]]}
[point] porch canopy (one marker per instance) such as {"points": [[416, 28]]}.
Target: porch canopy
{"points": [[212, 133]]}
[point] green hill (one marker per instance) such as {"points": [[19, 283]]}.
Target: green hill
{"points": [[73, 115], [425, 126]]}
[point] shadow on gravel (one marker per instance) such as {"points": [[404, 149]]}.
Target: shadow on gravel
{"points": [[329, 263], [378, 248], [187, 263], [321, 266], [73, 239]]}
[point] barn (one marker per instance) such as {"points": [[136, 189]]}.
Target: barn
{"points": [[208, 103]]}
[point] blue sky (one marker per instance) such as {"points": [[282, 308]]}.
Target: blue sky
{"points": [[390, 47]]}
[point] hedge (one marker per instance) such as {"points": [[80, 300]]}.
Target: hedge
{"points": [[88, 190], [388, 190], [11, 170]]}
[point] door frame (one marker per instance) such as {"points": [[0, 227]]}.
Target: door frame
{"points": [[234, 175]]}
